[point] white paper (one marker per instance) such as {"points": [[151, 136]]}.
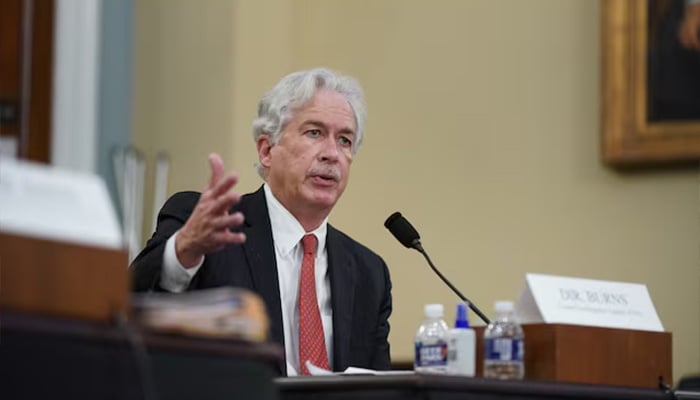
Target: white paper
{"points": [[365, 371], [318, 371], [41, 201], [555, 299]]}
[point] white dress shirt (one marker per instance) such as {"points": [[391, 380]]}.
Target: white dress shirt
{"points": [[286, 234]]}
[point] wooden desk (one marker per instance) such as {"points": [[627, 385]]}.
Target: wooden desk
{"points": [[585, 354]]}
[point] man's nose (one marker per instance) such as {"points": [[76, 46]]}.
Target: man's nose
{"points": [[329, 149]]}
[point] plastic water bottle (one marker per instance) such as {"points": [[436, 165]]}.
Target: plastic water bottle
{"points": [[431, 342], [461, 345], [504, 346]]}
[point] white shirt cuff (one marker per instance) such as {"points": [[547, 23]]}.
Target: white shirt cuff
{"points": [[174, 277]]}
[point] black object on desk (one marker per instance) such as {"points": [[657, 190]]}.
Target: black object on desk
{"points": [[441, 387], [49, 358]]}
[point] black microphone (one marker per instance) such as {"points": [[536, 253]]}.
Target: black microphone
{"points": [[409, 237]]}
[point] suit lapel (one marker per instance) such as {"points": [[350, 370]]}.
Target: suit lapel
{"points": [[341, 270], [259, 250]]}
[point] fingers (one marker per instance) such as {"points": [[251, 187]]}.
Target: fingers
{"points": [[223, 185], [228, 221], [216, 164], [219, 183], [204, 233], [218, 238], [221, 204], [228, 237]]}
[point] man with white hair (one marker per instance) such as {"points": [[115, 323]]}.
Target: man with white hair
{"points": [[328, 297]]}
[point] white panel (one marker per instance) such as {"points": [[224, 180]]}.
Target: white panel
{"points": [[77, 35]]}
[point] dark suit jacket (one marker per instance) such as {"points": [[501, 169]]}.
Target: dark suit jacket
{"points": [[359, 278]]}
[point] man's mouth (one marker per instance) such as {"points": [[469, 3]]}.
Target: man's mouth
{"points": [[327, 177], [330, 175]]}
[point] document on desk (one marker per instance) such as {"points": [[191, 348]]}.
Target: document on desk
{"points": [[46, 202], [223, 312], [318, 371]]}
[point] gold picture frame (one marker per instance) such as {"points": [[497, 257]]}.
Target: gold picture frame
{"points": [[629, 138]]}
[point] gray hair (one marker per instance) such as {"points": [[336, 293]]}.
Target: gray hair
{"points": [[279, 104]]}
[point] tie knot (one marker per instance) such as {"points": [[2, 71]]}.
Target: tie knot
{"points": [[308, 243]]}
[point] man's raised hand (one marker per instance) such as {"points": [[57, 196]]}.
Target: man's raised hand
{"points": [[208, 229]]}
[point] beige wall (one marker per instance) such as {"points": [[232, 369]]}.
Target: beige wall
{"points": [[483, 130]]}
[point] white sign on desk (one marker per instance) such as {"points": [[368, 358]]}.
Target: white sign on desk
{"points": [[42, 201], [563, 300]]}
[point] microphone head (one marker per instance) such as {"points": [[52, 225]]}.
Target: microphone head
{"points": [[402, 230]]}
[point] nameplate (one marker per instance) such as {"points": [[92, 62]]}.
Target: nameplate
{"points": [[564, 300]]}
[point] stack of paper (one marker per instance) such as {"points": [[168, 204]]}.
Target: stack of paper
{"points": [[221, 312]]}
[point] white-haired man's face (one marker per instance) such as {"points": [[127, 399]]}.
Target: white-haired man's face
{"points": [[308, 168]]}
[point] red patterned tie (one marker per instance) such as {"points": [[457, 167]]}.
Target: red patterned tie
{"points": [[312, 345]]}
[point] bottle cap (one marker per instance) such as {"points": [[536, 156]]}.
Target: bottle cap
{"points": [[462, 319], [503, 306], [433, 310]]}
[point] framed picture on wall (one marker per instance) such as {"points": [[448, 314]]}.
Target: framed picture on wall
{"points": [[650, 82]]}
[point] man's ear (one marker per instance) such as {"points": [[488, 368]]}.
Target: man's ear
{"points": [[264, 144]]}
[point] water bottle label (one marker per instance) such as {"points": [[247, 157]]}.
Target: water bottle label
{"points": [[431, 355], [504, 349]]}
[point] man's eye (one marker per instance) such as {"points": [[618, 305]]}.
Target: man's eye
{"points": [[345, 141], [313, 132]]}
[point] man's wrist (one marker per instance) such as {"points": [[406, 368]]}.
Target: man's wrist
{"points": [[175, 277], [186, 257]]}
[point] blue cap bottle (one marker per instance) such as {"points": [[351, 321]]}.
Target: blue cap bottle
{"points": [[461, 345], [462, 319]]}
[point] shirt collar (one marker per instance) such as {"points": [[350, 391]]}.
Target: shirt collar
{"points": [[286, 230]]}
